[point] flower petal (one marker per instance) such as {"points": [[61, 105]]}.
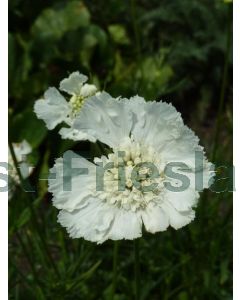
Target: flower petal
{"points": [[199, 177], [182, 149], [75, 135], [104, 118], [92, 222], [73, 84], [98, 222], [155, 219], [88, 90], [21, 149], [160, 125], [182, 201], [71, 190], [127, 225], [53, 109], [25, 169], [177, 219], [155, 122]]}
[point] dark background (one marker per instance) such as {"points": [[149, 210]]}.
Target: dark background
{"points": [[178, 51]]}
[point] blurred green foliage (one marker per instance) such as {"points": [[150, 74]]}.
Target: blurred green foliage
{"points": [[170, 50]]}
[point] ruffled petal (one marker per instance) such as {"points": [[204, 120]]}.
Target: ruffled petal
{"points": [[155, 123], [53, 109], [182, 149], [92, 222], [199, 177], [73, 84], [154, 218], [80, 187], [88, 90], [126, 225], [177, 219], [182, 201], [159, 125], [75, 135], [105, 119], [98, 222]]}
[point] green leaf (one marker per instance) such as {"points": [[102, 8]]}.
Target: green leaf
{"points": [[19, 221], [183, 296], [23, 218], [86, 275], [99, 34], [12, 56], [26, 126], [118, 34], [20, 64], [53, 24], [224, 271], [156, 75]]}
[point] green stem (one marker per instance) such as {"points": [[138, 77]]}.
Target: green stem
{"points": [[137, 37], [115, 259], [223, 86], [16, 164], [136, 269], [24, 278], [27, 256], [135, 29], [33, 213]]}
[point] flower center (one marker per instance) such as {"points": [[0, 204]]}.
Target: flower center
{"points": [[133, 177], [76, 103]]}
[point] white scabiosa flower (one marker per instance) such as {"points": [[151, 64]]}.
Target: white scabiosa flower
{"points": [[145, 137], [55, 109], [21, 151]]}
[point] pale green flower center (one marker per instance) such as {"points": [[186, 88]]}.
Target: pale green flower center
{"points": [[76, 103]]}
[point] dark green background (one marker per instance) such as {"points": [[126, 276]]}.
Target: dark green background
{"points": [[179, 51]]}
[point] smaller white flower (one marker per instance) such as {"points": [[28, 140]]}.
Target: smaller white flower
{"points": [[21, 151], [55, 109]]}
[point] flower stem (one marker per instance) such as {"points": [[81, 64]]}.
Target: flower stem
{"points": [[137, 39], [33, 213], [223, 85], [136, 269], [135, 29], [115, 259]]}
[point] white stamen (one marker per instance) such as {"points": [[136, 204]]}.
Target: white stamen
{"points": [[135, 196]]}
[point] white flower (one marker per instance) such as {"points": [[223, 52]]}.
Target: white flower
{"points": [[21, 151], [147, 132], [55, 109]]}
